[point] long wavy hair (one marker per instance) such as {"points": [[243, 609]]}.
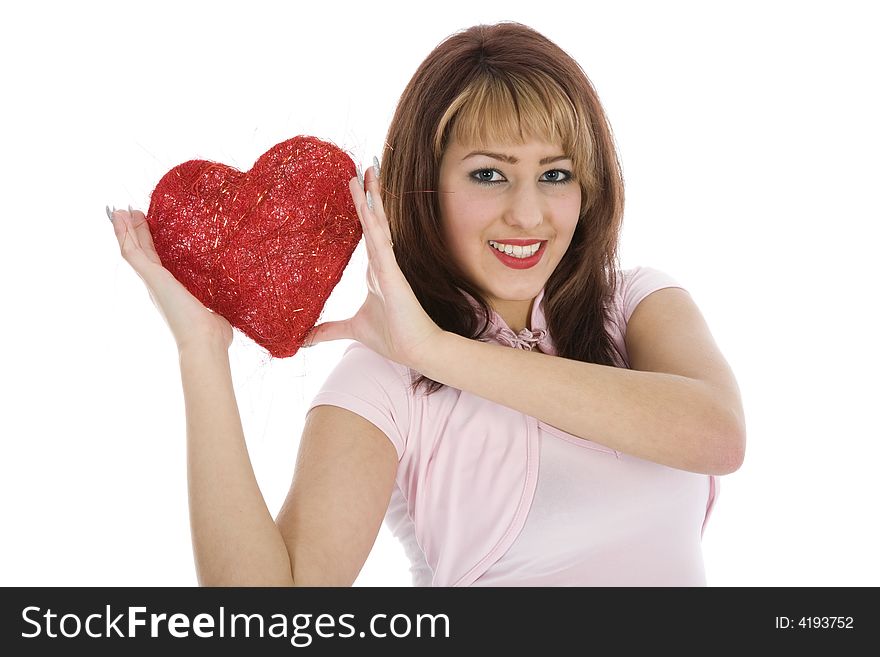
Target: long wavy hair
{"points": [[505, 83]]}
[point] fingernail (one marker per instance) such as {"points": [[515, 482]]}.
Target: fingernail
{"points": [[369, 200], [360, 174], [376, 165], [109, 214]]}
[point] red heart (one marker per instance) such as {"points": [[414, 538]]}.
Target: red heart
{"points": [[263, 248]]}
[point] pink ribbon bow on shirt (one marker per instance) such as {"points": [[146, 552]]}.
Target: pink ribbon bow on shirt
{"points": [[499, 331], [525, 339]]}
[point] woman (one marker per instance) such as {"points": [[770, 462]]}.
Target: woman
{"points": [[517, 409]]}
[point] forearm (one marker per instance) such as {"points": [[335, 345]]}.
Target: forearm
{"points": [[664, 418], [235, 539]]}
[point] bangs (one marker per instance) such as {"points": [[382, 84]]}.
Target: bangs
{"points": [[515, 110]]}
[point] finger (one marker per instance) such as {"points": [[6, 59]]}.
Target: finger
{"points": [[380, 255], [339, 330], [360, 205], [125, 233], [131, 248], [144, 236], [372, 186], [376, 237], [142, 229]]}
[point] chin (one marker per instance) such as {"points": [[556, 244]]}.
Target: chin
{"points": [[521, 292]]}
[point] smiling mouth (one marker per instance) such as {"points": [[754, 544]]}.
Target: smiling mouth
{"points": [[528, 256], [523, 251]]}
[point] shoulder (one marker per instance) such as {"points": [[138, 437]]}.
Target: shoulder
{"points": [[361, 360], [364, 374], [667, 333], [648, 303], [634, 285], [373, 387]]}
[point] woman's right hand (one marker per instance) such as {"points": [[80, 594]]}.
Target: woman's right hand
{"points": [[187, 317]]}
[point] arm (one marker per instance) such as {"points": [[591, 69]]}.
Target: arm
{"points": [[329, 522], [235, 541], [342, 484], [343, 458], [679, 405]]}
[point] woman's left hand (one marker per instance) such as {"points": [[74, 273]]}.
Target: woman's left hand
{"points": [[391, 320]]}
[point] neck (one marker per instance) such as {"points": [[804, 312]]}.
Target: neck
{"points": [[516, 314]]}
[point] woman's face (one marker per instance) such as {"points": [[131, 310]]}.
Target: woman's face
{"points": [[512, 197]]}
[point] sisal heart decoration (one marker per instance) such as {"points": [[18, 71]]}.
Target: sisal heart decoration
{"points": [[264, 248]]}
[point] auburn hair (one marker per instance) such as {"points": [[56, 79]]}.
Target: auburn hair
{"points": [[505, 83]]}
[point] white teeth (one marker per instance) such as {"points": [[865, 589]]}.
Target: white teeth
{"points": [[516, 251]]}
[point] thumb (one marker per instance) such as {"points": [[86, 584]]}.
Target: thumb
{"points": [[339, 330]]}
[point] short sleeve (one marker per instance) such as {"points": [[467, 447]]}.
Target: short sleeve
{"points": [[638, 283], [375, 388]]}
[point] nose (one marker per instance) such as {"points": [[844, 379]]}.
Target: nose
{"points": [[524, 209]]}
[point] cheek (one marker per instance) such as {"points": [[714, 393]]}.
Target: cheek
{"points": [[570, 212], [458, 235], [464, 222], [464, 244]]}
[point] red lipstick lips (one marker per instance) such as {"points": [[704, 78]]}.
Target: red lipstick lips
{"points": [[519, 263]]}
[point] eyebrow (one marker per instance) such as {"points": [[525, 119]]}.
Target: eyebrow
{"points": [[512, 160]]}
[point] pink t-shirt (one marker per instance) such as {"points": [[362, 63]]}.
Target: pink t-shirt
{"points": [[488, 496]]}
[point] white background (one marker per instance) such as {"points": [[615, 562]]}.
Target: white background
{"points": [[749, 140]]}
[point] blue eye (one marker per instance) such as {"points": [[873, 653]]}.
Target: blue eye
{"points": [[487, 177], [554, 176]]}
